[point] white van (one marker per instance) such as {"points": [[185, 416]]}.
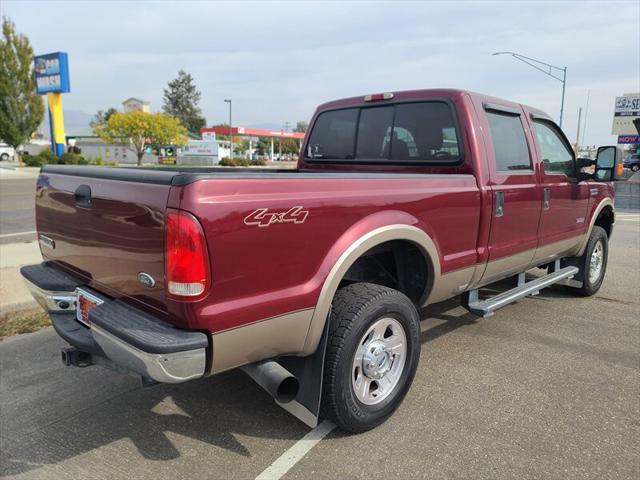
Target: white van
{"points": [[6, 152]]}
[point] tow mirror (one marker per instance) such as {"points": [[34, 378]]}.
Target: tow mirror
{"points": [[608, 165]]}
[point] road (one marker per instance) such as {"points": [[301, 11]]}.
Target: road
{"points": [[17, 215], [546, 388]]}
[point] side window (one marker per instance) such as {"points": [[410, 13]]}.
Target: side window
{"points": [[334, 135], [509, 142], [556, 155]]}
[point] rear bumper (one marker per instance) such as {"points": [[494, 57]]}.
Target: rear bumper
{"points": [[120, 334]]}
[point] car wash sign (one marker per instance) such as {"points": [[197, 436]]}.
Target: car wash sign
{"points": [[626, 110], [52, 73]]}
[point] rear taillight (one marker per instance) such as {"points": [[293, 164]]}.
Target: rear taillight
{"points": [[186, 260]]}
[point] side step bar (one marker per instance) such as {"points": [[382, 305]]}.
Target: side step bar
{"points": [[485, 308]]}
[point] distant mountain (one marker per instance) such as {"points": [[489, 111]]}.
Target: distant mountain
{"points": [[76, 122]]}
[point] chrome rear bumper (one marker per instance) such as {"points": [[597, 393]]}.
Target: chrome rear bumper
{"points": [[131, 339]]}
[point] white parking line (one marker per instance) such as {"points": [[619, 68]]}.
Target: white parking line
{"points": [[7, 235], [292, 456]]}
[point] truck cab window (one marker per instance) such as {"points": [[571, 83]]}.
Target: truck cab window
{"points": [[420, 132], [557, 157], [374, 132], [509, 143], [333, 136]]}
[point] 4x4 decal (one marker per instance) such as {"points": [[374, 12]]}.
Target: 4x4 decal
{"points": [[263, 218]]}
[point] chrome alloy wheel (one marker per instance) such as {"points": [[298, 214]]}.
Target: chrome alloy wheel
{"points": [[379, 361], [595, 263]]}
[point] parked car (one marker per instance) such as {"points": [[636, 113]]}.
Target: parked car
{"points": [[632, 162], [311, 279], [6, 152]]}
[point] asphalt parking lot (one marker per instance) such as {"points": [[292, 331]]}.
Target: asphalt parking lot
{"points": [[546, 388]]}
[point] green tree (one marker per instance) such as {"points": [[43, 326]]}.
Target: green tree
{"points": [[301, 126], [102, 116], [181, 99], [140, 129], [21, 109]]}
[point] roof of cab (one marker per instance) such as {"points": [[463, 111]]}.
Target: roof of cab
{"points": [[450, 93]]}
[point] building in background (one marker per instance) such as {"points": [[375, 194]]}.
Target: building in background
{"points": [[133, 104]]}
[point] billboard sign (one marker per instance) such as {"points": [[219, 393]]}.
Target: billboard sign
{"points": [[52, 73], [198, 148], [627, 108]]}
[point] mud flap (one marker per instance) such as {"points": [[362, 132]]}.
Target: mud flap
{"points": [[309, 371]]}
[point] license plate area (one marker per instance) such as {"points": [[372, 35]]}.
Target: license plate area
{"points": [[86, 302]]}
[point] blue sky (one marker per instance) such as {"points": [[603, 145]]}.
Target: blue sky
{"points": [[279, 60]]}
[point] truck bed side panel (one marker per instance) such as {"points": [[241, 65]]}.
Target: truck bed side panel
{"points": [[263, 271]]}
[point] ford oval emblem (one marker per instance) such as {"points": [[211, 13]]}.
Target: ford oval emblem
{"points": [[146, 280]]}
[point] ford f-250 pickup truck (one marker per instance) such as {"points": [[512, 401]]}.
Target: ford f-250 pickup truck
{"points": [[310, 279]]}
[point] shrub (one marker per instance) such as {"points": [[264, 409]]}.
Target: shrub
{"points": [[72, 159], [42, 158], [34, 161], [240, 162]]}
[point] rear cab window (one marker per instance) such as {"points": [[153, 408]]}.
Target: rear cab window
{"points": [[414, 132]]}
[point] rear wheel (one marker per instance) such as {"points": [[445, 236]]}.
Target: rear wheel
{"points": [[635, 168], [592, 264], [4, 157], [372, 355]]}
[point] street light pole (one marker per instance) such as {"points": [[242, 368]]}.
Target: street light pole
{"points": [[230, 129], [547, 71]]}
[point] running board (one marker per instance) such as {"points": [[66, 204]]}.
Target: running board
{"points": [[484, 308]]}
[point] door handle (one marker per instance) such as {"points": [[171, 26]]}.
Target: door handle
{"points": [[499, 204], [546, 202]]}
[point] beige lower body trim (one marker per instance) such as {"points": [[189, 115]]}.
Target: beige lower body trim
{"points": [[284, 334], [564, 248], [506, 266], [451, 284]]}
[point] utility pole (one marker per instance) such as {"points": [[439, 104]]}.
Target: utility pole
{"points": [[586, 114], [547, 70], [578, 131], [227, 100]]}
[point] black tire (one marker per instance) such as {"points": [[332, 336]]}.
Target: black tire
{"points": [[355, 309], [4, 157], [635, 168], [590, 286]]}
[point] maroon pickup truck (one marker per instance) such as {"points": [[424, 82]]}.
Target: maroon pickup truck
{"points": [[310, 279]]}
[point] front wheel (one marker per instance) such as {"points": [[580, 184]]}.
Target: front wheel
{"points": [[372, 354], [635, 168], [592, 263]]}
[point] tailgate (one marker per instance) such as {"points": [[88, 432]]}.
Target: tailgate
{"points": [[106, 231]]}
